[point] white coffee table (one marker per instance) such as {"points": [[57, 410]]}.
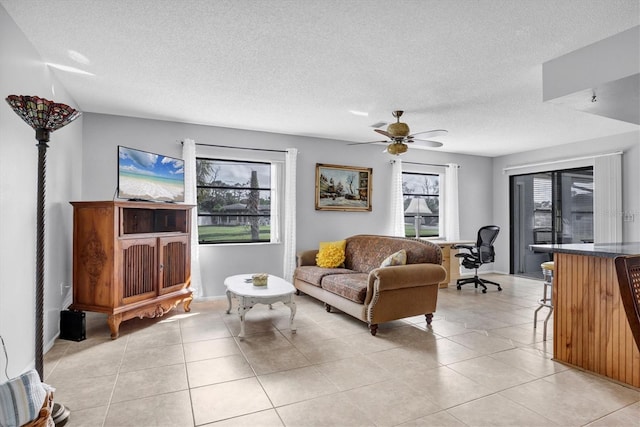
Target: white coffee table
{"points": [[277, 290]]}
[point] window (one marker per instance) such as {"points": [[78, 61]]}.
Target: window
{"points": [[234, 201], [421, 195]]}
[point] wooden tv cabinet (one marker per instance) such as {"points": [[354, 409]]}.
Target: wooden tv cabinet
{"points": [[131, 259]]}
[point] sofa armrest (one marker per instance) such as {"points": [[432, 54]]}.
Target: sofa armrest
{"points": [[405, 276], [306, 257]]}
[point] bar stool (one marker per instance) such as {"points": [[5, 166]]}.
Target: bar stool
{"points": [[547, 271]]}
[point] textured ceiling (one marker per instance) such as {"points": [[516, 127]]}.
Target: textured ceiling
{"points": [[473, 67]]}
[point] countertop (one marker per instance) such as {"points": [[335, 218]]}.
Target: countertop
{"points": [[604, 250]]}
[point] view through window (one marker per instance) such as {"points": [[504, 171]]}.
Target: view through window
{"points": [[421, 194], [234, 201]]}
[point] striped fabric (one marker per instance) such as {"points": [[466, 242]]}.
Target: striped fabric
{"points": [[21, 399]]}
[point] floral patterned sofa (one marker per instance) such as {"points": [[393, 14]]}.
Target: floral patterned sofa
{"points": [[369, 292]]}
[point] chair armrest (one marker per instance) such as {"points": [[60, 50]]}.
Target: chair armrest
{"points": [[469, 247], [306, 257], [405, 276]]}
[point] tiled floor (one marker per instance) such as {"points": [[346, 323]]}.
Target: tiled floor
{"points": [[481, 363]]}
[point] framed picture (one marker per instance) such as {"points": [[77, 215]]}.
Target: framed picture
{"points": [[343, 188]]}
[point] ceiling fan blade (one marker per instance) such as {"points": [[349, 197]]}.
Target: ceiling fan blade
{"points": [[384, 132], [426, 143], [432, 133], [368, 142]]}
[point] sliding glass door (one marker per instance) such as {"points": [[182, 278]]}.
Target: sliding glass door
{"points": [[549, 207]]}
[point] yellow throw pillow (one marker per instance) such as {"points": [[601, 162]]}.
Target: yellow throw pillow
{"points": [[398, 258], [331, 254]]}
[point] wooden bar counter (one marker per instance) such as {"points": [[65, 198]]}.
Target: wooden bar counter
{"points": [[590, 327]]}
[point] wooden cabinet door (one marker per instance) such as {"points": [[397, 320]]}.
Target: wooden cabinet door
{"points": [[139, 269], [174, 271]]}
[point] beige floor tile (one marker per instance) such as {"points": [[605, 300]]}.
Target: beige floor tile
{"points": [[480, 360], [267, 418], [171, 409], [447, 328], [495, 410], [84, 393], [227, 400], [446, 351], [205, 331], [353, 372], [441, 419], [627, 416], [209, 349], [533, 361], [220, 369], [91, 417], [574, 407], [77, 366], [308, 333], [263, 341], [445, 387], [391, 402], [327, 350], [331, 410], [150, 382], [296, 385], [152, 357], [524, 335], [404, 361], [491, 373], [162, 334], [483, 343], [283, 359]]}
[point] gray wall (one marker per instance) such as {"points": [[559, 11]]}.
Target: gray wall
{"points": [[22, 72], [103, 133]]}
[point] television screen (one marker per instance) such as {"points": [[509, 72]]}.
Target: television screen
{"points": [[149, 176]]}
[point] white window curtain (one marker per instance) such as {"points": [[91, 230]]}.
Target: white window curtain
{"points": [[451, 215], [277, 185], [397, 201], [289, 229], [191, 198], [607, 200]]}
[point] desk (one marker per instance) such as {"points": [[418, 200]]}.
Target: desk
{"points": [[449, 260], [590, 326]]}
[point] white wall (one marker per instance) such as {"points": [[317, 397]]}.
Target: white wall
{"points": [[103, 133], [22, 72], [629, 143]]}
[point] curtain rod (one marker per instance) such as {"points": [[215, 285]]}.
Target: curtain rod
{"points": [[551, 162], [424, 164], [238, 148]]}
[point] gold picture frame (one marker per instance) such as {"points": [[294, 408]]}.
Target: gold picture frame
{"points": [[343, 188]]}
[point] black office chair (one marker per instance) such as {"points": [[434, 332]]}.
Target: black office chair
{"points": [[482, 253]]}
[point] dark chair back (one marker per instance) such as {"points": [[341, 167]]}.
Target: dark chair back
{"points": [[486, 236], [628, 270]]}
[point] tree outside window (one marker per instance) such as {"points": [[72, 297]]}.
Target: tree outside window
{"points": [[234, 201]]}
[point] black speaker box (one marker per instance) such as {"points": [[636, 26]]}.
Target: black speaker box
{"points": [[72, 325]]}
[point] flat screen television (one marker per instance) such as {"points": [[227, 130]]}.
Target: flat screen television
{"points": [[149, 176]]}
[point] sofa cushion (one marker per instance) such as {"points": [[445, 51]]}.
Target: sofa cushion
{"points": [[331, 254], [350, 286], [313, 274], [366, 252], [396, 258]]}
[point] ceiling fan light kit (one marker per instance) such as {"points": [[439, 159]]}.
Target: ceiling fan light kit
{"points": [[397, 148]]}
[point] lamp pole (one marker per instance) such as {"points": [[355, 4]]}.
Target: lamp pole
{"points": [[45, 117]]}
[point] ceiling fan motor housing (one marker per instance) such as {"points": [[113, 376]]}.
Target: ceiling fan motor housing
{"points": [[398, 129]]}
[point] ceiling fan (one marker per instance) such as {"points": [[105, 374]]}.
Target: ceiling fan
{"points": [[399, 136]]}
